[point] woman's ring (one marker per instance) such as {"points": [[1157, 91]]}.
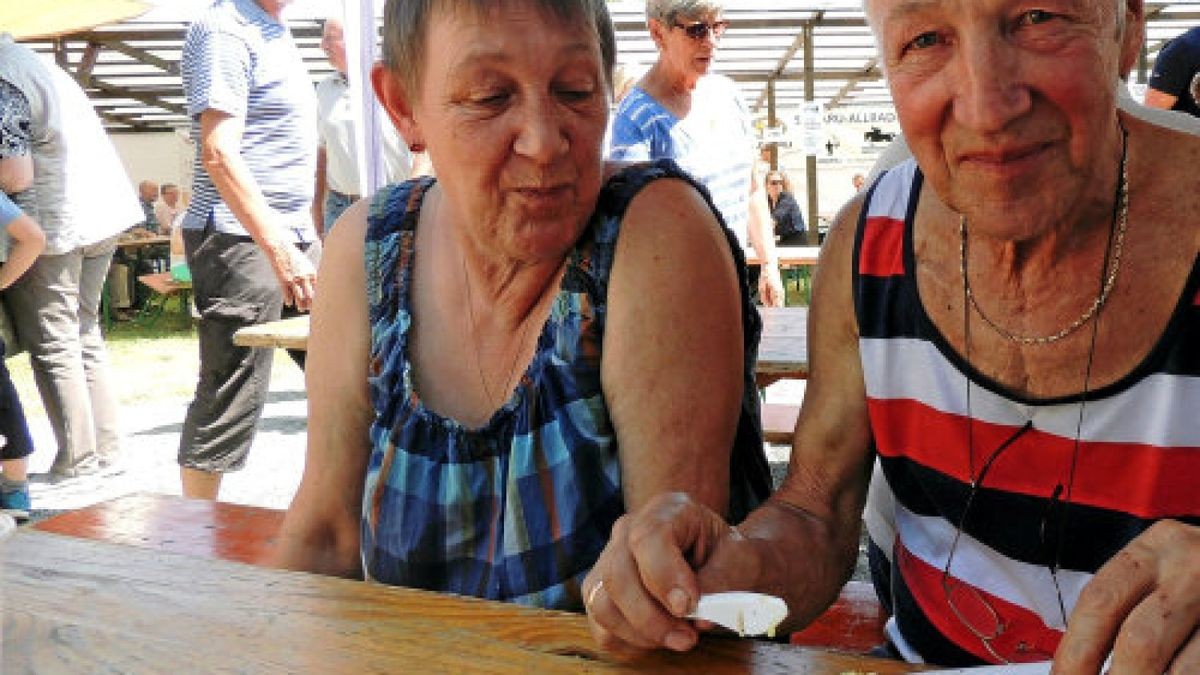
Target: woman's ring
{"points": [[592, 594]]}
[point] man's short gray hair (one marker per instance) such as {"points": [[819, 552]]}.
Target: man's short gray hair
{"points": [[670, 11], [406, 23]]}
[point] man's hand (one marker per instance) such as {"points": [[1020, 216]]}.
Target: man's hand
{"points": [[644, 581], [1144, 605], [770, 286], [295, 272]]}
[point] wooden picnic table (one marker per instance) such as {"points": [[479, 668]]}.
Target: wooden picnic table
{"points": [[782, 352], [111, 599], [290, 333], [134, 243], [789, 256], [783, 349]]}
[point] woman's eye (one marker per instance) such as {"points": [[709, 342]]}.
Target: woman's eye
{"points": [[490, 100], [575, 95]]}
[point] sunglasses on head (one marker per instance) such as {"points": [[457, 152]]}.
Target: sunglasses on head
{"points": [[698, 30]]}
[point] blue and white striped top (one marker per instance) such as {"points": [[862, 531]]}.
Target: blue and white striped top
{"points": [[241, 61], [714, 143]]}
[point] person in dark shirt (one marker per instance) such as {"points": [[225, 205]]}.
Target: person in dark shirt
{"points": [[1175, 81], [785, 211]]}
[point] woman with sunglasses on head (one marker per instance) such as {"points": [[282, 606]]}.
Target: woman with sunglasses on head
{"points": [[680, 111], [1009, 323], [785, 210]]}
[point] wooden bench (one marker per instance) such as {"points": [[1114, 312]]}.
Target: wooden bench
{"points": [[248, 534], [192, 527], [779, 422], [164, 287]]}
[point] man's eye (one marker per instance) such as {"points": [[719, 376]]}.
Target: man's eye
{"points": [[1036, 16], [924, 41]]}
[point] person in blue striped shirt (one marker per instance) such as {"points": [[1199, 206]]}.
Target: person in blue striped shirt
{"points": [[248, 233], [681, 111]]}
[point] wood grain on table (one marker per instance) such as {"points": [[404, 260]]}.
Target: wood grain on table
{"points": [[76, 605], [291, 333]]}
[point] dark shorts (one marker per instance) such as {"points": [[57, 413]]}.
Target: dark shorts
{"points": [[17, 442]]}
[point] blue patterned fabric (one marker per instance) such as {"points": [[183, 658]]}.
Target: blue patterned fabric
{"points": [[519, 509]]}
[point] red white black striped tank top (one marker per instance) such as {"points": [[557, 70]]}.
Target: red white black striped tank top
{"points": [[1138, 461]]}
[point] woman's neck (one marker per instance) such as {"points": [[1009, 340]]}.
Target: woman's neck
{"points": [[670, 87]]}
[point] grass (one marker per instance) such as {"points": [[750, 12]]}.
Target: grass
{"points": [[148, 361]]}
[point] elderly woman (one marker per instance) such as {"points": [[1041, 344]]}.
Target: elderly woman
{"points": [[1010, 323], [682, 112], [785, 211], [512, 355]]}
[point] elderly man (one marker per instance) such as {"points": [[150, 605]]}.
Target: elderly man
{"points": [[167, 209], [248, 232], [337, 158], [50, 134], [1009, 323]]}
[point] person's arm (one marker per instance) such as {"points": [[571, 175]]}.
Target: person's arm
{"points": [[673, 349], [318, 205], [800, 545], [1159, 99], [220, 148], [16, 173], [761, 233], [26, 243], [320, 531]]}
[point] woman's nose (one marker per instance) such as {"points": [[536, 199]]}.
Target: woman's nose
{"points": [[542, 136]]}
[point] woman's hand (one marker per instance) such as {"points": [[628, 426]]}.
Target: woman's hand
{"points": [[1144, 605], [770, 286], [656, 564]]}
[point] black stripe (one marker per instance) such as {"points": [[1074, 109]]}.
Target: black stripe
{"points": [[1012, 524], [886, 308]]}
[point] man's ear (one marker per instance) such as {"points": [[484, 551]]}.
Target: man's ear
{"points": [[395, 99], [1133, 34]]}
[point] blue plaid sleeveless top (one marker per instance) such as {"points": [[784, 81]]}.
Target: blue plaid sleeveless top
{"points": [[519, 509]]}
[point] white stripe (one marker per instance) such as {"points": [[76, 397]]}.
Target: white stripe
{"points": [[890, 199], [1029, 586], [1153, 411]]}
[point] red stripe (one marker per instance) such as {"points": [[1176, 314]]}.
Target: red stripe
{"points": [[882, 247], [1024, 638], [1142, 480]]}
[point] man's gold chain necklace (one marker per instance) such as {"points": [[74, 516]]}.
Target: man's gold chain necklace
{"points": [[1119, 224]]}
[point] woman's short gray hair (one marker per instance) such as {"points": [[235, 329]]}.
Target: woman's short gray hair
{"points": [[406, 23], [670, 11]]}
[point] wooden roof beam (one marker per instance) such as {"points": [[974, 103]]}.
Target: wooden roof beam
{"points": [[142, 56], [123, 92]]}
